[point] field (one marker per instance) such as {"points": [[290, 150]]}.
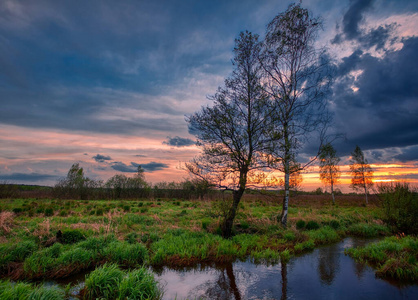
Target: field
{"points": [[49, 238]]}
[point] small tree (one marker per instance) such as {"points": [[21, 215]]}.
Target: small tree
{"points": [[297, 80], [75, 184], [233, 131], [361, 172], [329, 171]]}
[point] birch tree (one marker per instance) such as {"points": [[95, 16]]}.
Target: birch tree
{"points": [[232, 132], [297, 81]]}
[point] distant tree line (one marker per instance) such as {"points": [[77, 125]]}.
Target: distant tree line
{"points": [[77, 186]]}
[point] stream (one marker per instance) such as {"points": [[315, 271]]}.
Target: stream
{"points": [[324, 273]]}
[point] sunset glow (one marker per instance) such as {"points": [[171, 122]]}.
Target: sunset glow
{"points": [[112, 90]]}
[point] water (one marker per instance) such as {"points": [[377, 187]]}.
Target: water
{"points": [[325, 273]]}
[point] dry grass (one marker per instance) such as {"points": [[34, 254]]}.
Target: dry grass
{"points": [[6, 221]]}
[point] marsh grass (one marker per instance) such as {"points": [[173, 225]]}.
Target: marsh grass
{"points": [[109, 282], [103, 282], [139, 284], [394, 257], [180, 233], [23, 291]]}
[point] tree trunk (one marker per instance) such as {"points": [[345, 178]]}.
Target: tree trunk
{"points": [[228, 222], [365, 192], [283, 217], [332, 193]]}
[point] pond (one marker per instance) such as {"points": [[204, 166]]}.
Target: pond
{"points": [[325, 273]]}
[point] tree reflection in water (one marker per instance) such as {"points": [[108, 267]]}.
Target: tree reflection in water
{"points": [[284, 280], [223, 287], [328, 263]]}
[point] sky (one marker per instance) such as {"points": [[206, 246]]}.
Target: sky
{"points": [[108, 84]]}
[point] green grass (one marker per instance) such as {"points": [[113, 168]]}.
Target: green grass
{"points": [[109, 282], [394, 257], [139, 284], [180, 233], [27, 291], [103, 282]]}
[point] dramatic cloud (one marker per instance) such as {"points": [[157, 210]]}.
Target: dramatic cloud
{"points": [[133, 167], [152, 166], [377, 107], [118, 78], [121, 167], [19, 177], [179, 142], [101, 158]]}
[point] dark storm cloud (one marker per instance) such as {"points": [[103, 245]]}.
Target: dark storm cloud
{"points": [[133, 167], [56, 57], [26, 177], [151, 166], [178, 141], [354, 16], [121, 167], [101, 158], [350, 29], [382, 112]]}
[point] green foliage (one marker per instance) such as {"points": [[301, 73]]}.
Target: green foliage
{"points": [[131, 237], [103, 282], [49, 212], [139, 284], [400, 206], [289, 236], [17, 210], [18, 291], [72, 236], [393, 257], [312, 225], [308, 245], [16, 252], [43, 260], [300, 224], [205, 223], [46, 293], [334, 224], [324, 235], [368, 230], [125, 253]]}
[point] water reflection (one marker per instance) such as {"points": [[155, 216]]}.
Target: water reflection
{"points": [[325, 273], [328, 263], [283, 272]]}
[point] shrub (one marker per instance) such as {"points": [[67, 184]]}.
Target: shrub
{"points": [[71, 236], [49, 212], [300, 224], [103, 282], [400, 206], [312, 225], [205, 223], [99, 212], [334, 224], [17, 210]]}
